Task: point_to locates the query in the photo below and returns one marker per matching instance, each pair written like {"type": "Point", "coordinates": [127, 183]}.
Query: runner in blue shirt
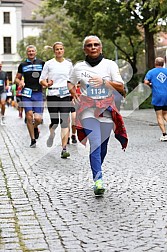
{"type": "Point", "coordinates": [27, 78]}
{"type": "Point", "coordinates": [156, 78]}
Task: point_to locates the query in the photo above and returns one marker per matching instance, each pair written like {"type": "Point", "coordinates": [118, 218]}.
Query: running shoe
{"type": "Point", "coordinates": [49, 142]}
{"type": "Point", "coordinates": [163, 138]}
{"type": "Point", "coordinates": [36, 133]}
{"type": "Point", "coordinates": [33, 143]}
{"type": "Point", "coordinates": [99, 188]}
{"type": "Point", "coordinates": [3, 120]}
{"type": "Point", "coordinates": [65, 154]}
{"type": "Point", "coordinates": [74, 140]}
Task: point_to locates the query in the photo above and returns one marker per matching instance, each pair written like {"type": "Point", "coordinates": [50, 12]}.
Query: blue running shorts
{"type": "Point", "coordinates": [33, 103]}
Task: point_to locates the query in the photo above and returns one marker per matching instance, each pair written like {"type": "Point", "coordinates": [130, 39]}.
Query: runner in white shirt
{"type": "Point", "coordinates": [54, 76]}
{"type": "Point", "coordinates": [96, 110]}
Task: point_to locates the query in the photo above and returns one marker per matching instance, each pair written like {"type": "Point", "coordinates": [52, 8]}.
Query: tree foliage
{"type": "Point", "coordinates": [126, 28]}
{"type": "Point", "coordinates": [150, 16]}
{"type": "Point", "coordinates": [56, 28]}
{"type": "Point", "coordinates": [127, 23]}
{"type": "Point", "coordinates": [101, 18]}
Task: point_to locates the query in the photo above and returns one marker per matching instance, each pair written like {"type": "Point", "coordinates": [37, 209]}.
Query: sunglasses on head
{"type": "Point", "coordinates": [91, 45]}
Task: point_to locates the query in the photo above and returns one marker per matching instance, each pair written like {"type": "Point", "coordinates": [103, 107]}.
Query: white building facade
{"type": "Point", "coordinates": [16, 23]}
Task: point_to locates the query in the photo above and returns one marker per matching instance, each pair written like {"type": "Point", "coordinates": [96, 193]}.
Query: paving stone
{"type": "Point", "coordinates": [49, 203]}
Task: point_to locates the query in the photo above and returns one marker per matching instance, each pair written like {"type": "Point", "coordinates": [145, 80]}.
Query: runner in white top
{"type": "Point", "coordinates": [58, 72]}
{"type": "Point", "coordinates": [106, 70]}
{"type": "Point", "coordinates": [54, 76]}
{"type": "Point", "coordinates": [98, 77]}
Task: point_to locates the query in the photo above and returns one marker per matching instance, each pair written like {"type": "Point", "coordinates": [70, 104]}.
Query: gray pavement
{"type": "Point", "coordinates": [47, 203]}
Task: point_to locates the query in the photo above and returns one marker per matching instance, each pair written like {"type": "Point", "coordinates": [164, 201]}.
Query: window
{"type": "Point", "coordinates": [6, 17]}
{"type": "Point", "coordinates": [7, 45]}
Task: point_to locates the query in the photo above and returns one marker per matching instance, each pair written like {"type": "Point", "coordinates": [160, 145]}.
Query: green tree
{"type": "Point", "coordinates": [101, 17]}
{"type": "Point", "coordinates": [30, 40]}
{"type": "Point", "coordinates": [128, 21]}
{"type": "Point", "coordinates": [56, 28]}
{"type": "Point", "coordinates": [150, 16]}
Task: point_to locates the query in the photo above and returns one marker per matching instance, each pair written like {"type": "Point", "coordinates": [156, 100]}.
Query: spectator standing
{"type": "Point", "coordinates": [27, 78]}
{"type": "Point", "coordinates": [156, 79]}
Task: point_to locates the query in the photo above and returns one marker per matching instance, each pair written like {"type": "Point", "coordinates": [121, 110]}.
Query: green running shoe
{"type": "Point", "coordinates": [65, 154]}
{"type": "Point", "coordinates": [99, 188]}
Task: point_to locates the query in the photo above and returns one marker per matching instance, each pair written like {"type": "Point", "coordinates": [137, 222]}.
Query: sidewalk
{"type": "Point", "coordinates": [145, 115]}
{"type": "Point", "coordinates": [47, 203]}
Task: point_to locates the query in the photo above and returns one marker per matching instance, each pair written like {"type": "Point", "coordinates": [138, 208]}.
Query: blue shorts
{"type": "Point", "coordinates": [33, 103]}
{"type": "Point", "coordinates": [3, 96]}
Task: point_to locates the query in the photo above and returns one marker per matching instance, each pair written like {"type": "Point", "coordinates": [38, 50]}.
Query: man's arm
{"type": "Point", "coordinates": [19, 80]}
{"type": "Point", "coordinates": [148, 83]}
{"type": "Point", "coordinates": [6, 82]}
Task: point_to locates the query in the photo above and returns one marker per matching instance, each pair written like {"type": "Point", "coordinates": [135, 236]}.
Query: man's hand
{"type": "Point", "coordinates": [147, 82]}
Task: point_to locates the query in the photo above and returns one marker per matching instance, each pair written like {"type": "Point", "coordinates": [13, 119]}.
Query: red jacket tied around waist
{"type": "Point", "coordinates": [100, 106]}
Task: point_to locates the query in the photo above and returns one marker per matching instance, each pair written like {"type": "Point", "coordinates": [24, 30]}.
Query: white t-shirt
{"type": "Point", "coordinates": [59, 72]}
{"type": "Point", "coordinates": [106, 69]}
{"type": "Point", "coordinates": [83, 71]}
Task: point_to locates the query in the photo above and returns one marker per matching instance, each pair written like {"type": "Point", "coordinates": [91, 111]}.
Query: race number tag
{"type": "Point", "coordinates": [63, 91]}
{"type": "Point", "coordinates": [97, 93]}
{"type": "Point", "coordinates": [27, 92]}
{"type": "Point", "coordinates": [1, 82]}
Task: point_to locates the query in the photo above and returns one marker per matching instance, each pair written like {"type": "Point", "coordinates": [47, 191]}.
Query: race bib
{"type": "Point", "coordinates": [52, 92]}
{"type": "Point", "coordinates": [27, 92]}
{"type": "Point", "coordinates": [97, 93]}
{"type": "Point", "coordinates": [63, 91]}
{"type": "Point", "coordinates": [1, 82]}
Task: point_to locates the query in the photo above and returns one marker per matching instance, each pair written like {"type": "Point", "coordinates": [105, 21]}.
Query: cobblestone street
{"type": "Point", "coordinates": [47, 203]}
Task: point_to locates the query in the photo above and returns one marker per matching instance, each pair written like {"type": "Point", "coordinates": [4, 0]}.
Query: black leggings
{"type": "Point", "coordinates": [59, 106]}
